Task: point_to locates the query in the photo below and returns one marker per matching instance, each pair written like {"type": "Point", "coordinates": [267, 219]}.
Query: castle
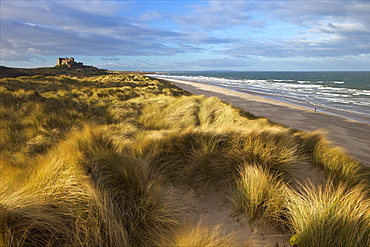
{"type": "Point", "coordinates": [70, 62]}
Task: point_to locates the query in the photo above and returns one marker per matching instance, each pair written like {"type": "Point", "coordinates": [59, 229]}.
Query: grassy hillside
{"type": "Point", "coordinates": [6, 72]}
{"type": "Point", "coordinates": [89, 161]}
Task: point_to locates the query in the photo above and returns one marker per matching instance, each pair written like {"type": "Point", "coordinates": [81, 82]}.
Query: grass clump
{"type": "Point", "coordinates": [49, 210]}
{"type": "Point", "coordinates": [124, 185]}
{"type": "Point", "coordinates": [185, 112]}
{"type": "Point", "coordinates": [329, 215]}
{"type": "Point", "coordinates": [86, 197]}
{"type": "Point", "coordinates": [272, 148]}
{"type": "Point", "coordinates": [337, 165]}
{"type": "Point", "coordinates": [201, 157]}
{"type": "Point", "coordinates": [259, 195]}
{"type": "Point", "coordinates": [201, 235]}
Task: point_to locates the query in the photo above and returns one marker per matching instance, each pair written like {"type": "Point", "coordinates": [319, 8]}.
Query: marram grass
{"type": "Point", "coordinates": [87, 162]}
{"type": "Point", "coordinates": [337, 165]}
{"type": "Point", "coordinates": [202, 235]}
{"type": "Point", "coordinates": [329, 215]}
{"type": "Point", "coordinates": [91, 196]}
{"type": "Point", "coordinates": [202, 157]}
{"type": "Point", "coordinates": [259, 195]}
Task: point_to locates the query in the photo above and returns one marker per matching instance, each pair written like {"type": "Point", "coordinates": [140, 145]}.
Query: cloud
{"type": "Point", "coordinates": [232, 30]}
{"type": "Point", "coordinates": [331, 46]}
{"type": "Point", "coordinates": [150, 16]}
{"type": "Point", "coordinates": [326, 29]}
{"type": "Point", "coordinates": [63, 14]}
{"type": "Point", "coordinates": [219, 15]}
{"type": "Point", "coordinates": [306, 12]}
{"type": "Point", "coordinates": [56, 28]}
{"type": "Point", "coordinates": [343, 18]}
{"type": "Point", "coordinates": [13, 56]}
{"type": "Point", "coordinates": [110, 59]}
{"type": "Point", "coordinates": [221, 63]}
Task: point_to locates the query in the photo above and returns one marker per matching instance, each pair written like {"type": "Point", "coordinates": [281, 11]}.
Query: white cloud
{"type": "Point", "coordinates": [218, 14]}
{"type": "Point", "coordinates": [150, 16]}
{"type": "Point", "coordinates": [82, 31]}
{"type": "Point", "coordinates": [96, 8]}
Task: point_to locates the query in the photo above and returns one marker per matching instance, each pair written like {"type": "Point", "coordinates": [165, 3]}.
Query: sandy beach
{"type": "Point", "coordinates": [352, 135]}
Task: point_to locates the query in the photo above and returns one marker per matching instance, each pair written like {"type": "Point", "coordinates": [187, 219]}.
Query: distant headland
{"type": "Point", "coordinates": [65, 66]}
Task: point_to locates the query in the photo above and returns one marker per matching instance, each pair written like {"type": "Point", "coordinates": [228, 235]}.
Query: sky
{"type": "Point", "coordinates": [188, 35]}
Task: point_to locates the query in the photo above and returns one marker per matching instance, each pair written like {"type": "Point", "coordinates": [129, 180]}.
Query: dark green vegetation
{"type": "Point", "coordinates": [88, 161]}
{"type": "Point", "coordinates": [6, 72]}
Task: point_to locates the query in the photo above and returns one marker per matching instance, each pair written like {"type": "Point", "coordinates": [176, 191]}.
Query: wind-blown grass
{"type": "Point", "coordinates": [89, 195]}
{"type": "Point", "coordinates": [136, 198]}
{"type": "Point", "coordinates": [202, 235]}
{"type": "Point", "coordinates": [81, 192]}
{"type": "Point", "coordinates": [201, 157]}
{"type": "Point", "coordinates": [330, 215]}
{"type": "Point", "coordinates": [259, 195]}
{"type": "Point", "coordinates": [87, 162]}
{"type": "Point", "coordinates": [337, 165]}
{"type": "Point", "coordinates": [45, 210]}
{"type": "Point", "coordinates": [38, 111]}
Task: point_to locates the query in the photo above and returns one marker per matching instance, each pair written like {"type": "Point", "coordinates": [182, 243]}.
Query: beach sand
{"type": "Point", "coordinates": [352, 135]}
{"type": "Point", "coordinates": [211, 209]}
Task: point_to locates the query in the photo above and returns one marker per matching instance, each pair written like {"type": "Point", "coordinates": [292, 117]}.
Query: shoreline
{"type": "Point", "coordinates": [324, 109]}
{"type": "Point", "coordinates": [345, 131]}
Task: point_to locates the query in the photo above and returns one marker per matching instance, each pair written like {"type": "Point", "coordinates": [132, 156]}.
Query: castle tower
{"type": "Point", "coordinates": [70, 62]}
{"type": "Point", "coordinates": [59, 61]}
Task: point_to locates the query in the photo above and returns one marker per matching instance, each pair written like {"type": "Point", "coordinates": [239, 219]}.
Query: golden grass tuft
{"type": "Point", "coordinates": [259, 195]}
{"type": "Point", "coordinates": [201, 157]}
{"type": "Point", "coordinates": [135, 197]}
{"type": "Point", "coordinates": [43, 212]}
{"type": "Point", "coordinates": [329, 215]}
{"type": "Point", "coordinates": [202, 235]}
{"type": "Point", "coordinates": [85, 193]}
{"type": "Point", "coordinates": [337, 165]}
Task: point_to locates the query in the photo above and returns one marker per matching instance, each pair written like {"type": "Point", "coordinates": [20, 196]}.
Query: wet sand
{"type": "Point", "coordinates": [352, 135]}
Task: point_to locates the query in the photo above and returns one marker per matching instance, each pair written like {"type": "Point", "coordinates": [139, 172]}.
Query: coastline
{"type": "Point", "coordinates": [344, 129]}
{"type": "Point", "coordinates": [324, 109]}
{"type": "Point", "coordinates": [319, 108]}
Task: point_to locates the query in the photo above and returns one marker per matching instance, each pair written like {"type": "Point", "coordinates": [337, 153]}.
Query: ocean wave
{"type": "Point", "coordinates": [310, 92]}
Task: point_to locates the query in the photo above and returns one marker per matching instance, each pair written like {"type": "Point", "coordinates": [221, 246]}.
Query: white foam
{"type": "Point", "coordinates": [314, 92]}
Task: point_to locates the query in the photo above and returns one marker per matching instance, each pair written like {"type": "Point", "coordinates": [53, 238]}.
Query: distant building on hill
{"type": "Point", "coordinates": [70, 62]}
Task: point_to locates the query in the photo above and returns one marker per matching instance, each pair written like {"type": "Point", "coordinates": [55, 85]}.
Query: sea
{"type": "Point", "coordinates": [343, 93]}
